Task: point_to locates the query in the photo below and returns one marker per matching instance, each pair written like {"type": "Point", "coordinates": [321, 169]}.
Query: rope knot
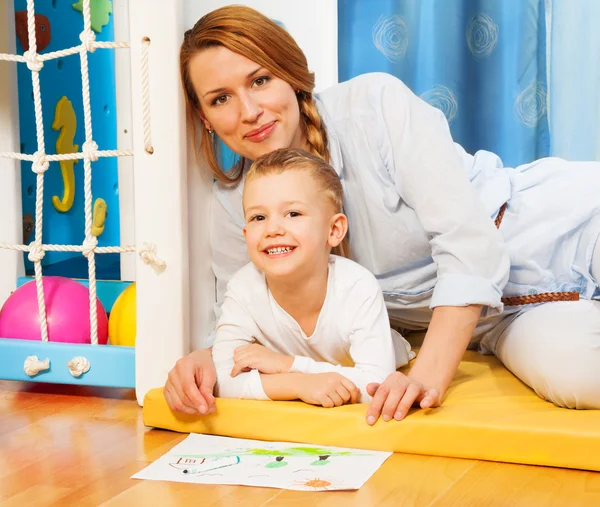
{"type": "Point", "coordinates": [34, 64]}
{"type": "Point", "coordinates": [33, 365]}
{"type": "Point", "coordinates": [148, 255]}
{"type": "Point", "coordinates": [40, 163]}
{"type": "Point", "coordinates": [78, 366]}
{"type": "Point", "coordinates": [88, 38]}
{"type": "Point", "coordinates": [89, 245]}
{"type": "Point", "coordinates": [36, 254]}
{"type": "Point", "coordinates": [89, 150]}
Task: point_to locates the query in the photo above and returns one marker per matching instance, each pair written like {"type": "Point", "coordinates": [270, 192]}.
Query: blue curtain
{"type": "Point", "coordinates": [574, 76]}
{"type": "Point", "coordinates": [482, 62]}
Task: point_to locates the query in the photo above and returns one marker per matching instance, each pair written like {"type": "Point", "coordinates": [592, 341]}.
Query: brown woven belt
{"type": "Point", "coordinates": [530, 299]}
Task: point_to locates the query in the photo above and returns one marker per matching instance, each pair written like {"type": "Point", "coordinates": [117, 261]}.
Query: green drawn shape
{"type": "Point", "coordinates": [99, 12]}
{"type": "Point", "coordinates": [278, 463]}
{"type": "Point", "coordinates": [300, 452]}
{"type": "Point", "coordinates": [323, 460]}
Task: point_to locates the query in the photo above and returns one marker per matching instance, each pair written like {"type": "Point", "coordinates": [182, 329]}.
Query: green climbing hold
{"type": "Point", "coordinates": [99, 12]}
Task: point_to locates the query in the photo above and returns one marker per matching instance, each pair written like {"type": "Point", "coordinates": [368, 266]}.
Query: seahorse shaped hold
{"type": "Point", "coordinates": [65, 121]}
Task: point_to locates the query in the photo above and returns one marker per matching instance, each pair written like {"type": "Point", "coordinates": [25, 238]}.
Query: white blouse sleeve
{"type": "Point", "coordinates": [228, 248]}
{"type": "Point", "coordinates": [418, 150]}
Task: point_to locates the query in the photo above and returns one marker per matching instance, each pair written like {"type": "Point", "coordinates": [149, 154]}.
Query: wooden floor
{"type": "Point", "coordinates": [65, 445]}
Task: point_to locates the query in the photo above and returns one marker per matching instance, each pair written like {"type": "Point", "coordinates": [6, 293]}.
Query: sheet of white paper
{"type": "Point", "coordinates": [207, 459]}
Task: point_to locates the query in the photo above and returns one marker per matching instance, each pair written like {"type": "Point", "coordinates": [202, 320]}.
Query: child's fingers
{"type": "Point", "coordinates": [344, 393]}
{"type": "Point", "coordinates": [352, 389]}
{"type": "Point", "coordinates": [237, 368]}
{"type": "Point", "coordinates": [335, 398]}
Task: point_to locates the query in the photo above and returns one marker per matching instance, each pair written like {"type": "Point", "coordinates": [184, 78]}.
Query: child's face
{"type": "Point", "coordinates": [290, 224]}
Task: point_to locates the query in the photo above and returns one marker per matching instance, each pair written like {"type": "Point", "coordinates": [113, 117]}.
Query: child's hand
{"type": "Point", "coordinates": [394, 397]}
{"type": "Point", "coordinates": [257, 357]}
{"type": "Point", "coordinates": [327, 389]}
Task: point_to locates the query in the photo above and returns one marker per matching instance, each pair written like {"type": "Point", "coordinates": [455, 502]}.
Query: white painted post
{"type": "Point", "coordinates": [160, 181]}
{"type": "Point", "coordinates": [11, 211]}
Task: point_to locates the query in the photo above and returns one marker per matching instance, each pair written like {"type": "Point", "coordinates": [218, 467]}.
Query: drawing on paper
{"type": "Point", "coordinates": [221, 460]}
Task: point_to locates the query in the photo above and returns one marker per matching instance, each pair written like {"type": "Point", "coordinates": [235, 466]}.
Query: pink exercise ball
{"type": "Point", "coordinates": [67, 313]}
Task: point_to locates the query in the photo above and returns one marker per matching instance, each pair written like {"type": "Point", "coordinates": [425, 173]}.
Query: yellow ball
{"type": "Point", "coordinates": [121, 322]}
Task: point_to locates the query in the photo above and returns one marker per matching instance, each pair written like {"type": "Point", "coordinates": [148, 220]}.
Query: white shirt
{"type": "Point", "coordinates": [418, 205]}
{"type": "Point", "coordinates": [352, 336]}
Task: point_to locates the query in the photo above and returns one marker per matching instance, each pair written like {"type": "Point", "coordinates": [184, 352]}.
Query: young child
{"type": "Point", "coordinates": [298, 322]}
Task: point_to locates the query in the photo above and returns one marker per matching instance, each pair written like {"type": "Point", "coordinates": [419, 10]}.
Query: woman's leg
{"type": "Point", "coordinates": [555, 349]}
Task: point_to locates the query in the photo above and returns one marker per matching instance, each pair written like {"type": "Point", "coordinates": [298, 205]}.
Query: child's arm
{"type": "Point", "coordinates": [328, 389]}
{"type": "Point", "coordinates": [235, 329]}
{"type": "Point", "coordinates": [369, 340]}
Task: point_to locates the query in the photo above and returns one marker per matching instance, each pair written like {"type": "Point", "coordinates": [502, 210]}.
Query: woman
{"type": "Point", "coordinates": [462, 246]}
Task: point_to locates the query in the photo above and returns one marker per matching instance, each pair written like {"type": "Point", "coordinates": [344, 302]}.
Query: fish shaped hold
{"type": "Point", "coordinates": [42, 30]}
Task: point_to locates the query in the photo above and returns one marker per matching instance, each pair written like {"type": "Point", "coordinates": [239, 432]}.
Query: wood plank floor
{"type": "Point", "coordinates": [68, 445]}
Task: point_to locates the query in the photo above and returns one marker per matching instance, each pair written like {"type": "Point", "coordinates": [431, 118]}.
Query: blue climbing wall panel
{"type": "Point", "coordinates": [59, 25]}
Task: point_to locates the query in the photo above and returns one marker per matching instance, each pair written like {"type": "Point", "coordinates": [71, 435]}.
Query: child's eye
{"type": "Point", "coordinates": [261, 81]}
{"type": "Point", "coordinates": [221, 99]}
{"type": "Point", "coordinates": [257, 218]}
{"type": "Point", "coordinates": [294, 214]}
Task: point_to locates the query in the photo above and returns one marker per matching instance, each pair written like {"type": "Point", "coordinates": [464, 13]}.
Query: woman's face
{"type": "Point", "coordinates": [251, 110]}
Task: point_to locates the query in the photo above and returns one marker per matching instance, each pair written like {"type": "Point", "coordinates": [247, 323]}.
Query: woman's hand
{"type": "Point", "coordinates": [258, 357]}
{"type": "Point", "coordinates": [190, 384]}
{"type": "Point", "coordinates": [394, 397]}
{"type": "Point", "coordinates": [327, 389]}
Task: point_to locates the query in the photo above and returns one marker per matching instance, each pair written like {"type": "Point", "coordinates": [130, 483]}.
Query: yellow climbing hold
{"type": "Point", "coordinates": [65, 121]}
{"type": "Point", "coordinates": [98, 217]}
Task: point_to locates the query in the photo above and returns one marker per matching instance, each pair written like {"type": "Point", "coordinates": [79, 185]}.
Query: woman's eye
{"type": "Point", "coordinates": [220, 100]}
{"type": "Point", "coordinates": [261, 81]}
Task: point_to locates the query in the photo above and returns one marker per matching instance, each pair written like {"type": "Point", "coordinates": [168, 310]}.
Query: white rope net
{"type": "Point", "coordinates": [90, 153]}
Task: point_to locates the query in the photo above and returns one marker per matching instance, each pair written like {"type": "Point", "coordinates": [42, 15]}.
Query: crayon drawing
{"type": "Point", "coordinates": [207, 459]}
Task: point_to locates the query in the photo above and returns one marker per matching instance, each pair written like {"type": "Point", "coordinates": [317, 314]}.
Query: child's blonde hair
{"type": "Point", "coordinates": [286, 159]}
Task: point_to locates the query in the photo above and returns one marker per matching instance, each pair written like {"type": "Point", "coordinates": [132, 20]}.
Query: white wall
{"type": "Point", "coordinates": [11, 228]}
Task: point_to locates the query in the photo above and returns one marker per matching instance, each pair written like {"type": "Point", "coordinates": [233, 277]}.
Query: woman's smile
{"type": "Point", "coordinates": [260, 134]}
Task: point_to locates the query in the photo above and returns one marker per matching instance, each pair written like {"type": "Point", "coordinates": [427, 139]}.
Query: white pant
{"type": "Point", "coordinates": [555, 348]}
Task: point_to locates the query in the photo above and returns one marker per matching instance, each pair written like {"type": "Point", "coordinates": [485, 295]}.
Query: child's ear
{"type": "Point", "coordinates": [337, 229]}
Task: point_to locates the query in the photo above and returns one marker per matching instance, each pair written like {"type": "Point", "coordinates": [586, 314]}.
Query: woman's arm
{"type": "Point", "coordinates": [417, 149]}
{"type": "Point", "coordinates": [446, 340]}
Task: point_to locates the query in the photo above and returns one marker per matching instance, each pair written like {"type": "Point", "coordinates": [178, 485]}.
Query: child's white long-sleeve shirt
{"type": "Point", "coordinates": [352, 336]}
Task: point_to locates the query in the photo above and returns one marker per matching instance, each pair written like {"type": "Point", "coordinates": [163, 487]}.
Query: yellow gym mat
{"type": "Point", "coordinates": [488, 414]}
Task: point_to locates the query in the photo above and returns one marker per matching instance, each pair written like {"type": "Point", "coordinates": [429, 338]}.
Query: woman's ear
{"type": "Point", "coordinates": [202, 118]}
{"type": "Point", "coordinates": [338, 229]}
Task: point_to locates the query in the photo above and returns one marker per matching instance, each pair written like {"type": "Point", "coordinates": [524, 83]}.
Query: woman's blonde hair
{"type": "Point", "coordinates": [295, 159]}
{"type": "Point", "coordinates": [247, 32]}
